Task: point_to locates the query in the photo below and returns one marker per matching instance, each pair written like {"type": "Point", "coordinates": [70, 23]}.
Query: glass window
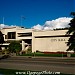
{"type": "Point", "coordinates": [11, 35]}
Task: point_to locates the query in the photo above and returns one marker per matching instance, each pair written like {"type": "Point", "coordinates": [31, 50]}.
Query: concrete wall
{"type": "Point", "coordinates": [6, 30]}
{"type": "Point", "coordinates": [17, 30]}
{"type": "Point", "coordinates": [49, 32]}
{"type": "Point", "coordinates": [50, 41]}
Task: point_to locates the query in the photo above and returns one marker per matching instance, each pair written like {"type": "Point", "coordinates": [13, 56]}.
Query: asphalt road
{"type": "Point", "coordinates": [62, 65]}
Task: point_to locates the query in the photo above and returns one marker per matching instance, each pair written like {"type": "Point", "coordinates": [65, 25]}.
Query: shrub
{"type": "Point", "coordinates": [14, 46]}
{"type": "Point", "coordinates": [29, 50]}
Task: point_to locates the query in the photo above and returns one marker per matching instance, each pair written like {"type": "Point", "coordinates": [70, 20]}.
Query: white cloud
{"type": "Point", "coordinates": [6, 26]}
{"type": "Point", "coordinates": [37, 27]}
{"type": "Point", "coordinates": [3, 26]}
{"type": "Point", "coordinates": [57, 23]}
{"type": "Point", "coordinates": [49, 25]}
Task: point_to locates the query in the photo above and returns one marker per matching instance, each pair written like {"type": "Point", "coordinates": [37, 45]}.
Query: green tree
{"type": "Point", "coordinates": [71, 32]}
{"type": "Point", "coordinates": [1, 39]}
{"type": "Point", "coordinates": [14, 46]}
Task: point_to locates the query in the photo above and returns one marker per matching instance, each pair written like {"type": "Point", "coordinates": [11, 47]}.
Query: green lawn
{"type": "Point", "coordinates": [47, 55]}
{"type": "Point", "coordinates": [11, 72]}
{"type": "Point", "coordinates": [23, 72]}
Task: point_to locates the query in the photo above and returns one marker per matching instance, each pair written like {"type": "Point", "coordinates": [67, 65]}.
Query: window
{"type": "Point", "coordinates": [11, 35]}
{"type": "Point", "coordinates": [25, 34]}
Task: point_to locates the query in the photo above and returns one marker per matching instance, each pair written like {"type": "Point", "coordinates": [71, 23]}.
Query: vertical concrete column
{"type": "Point", "coordinates": [23, 45]}
{"type": "Point", "coordinates": [33, 42]}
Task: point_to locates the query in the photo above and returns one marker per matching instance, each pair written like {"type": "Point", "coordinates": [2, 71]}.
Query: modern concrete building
{"type": "Point", "coordinates": [40, 40]}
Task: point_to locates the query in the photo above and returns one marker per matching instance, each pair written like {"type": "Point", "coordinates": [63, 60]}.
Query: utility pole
{"type": "Point", "coordinates": [21, 21]}
{"type": "Point", "coordinates": [22, 17]}
{"type": "Point", "coordinates": [3, 20]}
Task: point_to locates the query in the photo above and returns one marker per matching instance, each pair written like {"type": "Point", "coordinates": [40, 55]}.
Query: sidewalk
{"type": "Point", "coordinates": [45, 57]}
{"type": "Point", "coordinates": [1, 56]}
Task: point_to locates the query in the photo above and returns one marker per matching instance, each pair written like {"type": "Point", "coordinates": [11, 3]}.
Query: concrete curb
{"type": "Point", "coordinates": [44, 57]}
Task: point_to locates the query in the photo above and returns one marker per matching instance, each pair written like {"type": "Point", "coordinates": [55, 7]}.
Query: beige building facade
{"type": "Point", "coordinates": [50, 41]}
{"type": "Point", "coordinates": [39, 40]}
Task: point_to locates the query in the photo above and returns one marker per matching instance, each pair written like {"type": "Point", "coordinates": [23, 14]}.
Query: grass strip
{"type": "Point", "coordinates": [24, 72]}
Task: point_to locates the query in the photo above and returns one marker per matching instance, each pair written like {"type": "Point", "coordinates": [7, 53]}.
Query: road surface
{"type": "Point", "coordinates": [62, 65]}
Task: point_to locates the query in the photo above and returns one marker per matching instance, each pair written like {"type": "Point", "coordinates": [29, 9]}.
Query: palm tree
{"type": "Point", "coordinates": [71, 32]}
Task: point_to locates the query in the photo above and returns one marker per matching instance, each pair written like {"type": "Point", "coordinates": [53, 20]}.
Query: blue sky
{"type": "Point", "coordinates": [34, 11]}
